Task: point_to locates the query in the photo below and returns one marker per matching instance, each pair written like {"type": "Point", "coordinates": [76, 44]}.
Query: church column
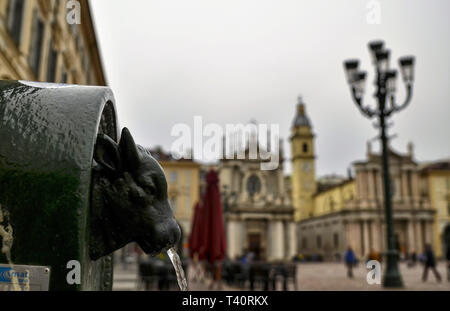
{"type": "Point", "coordinates": [428, 232]}
{"type": "Point", "coordinates": [234, 238]}
{"type": "Point", "coordinates": [356, 237]}
{"type": "Point", "coordinates": [383, 242]}
{"type": "Point", "coordinates": [292, 240]}
{"type": "Point", "coordinates": [411, 245]}
{"type": "Point", "coordinates": [358, 184]}
{"type": "Point", "coordinates": [278, 240]}
{"type": "Point", "coordinates": [415, 186]}
{"type": "Point", "coordinates": [376, 235]}
{"type": "Point", "coordinates": [364, 184]}
{"type": "Point", "coordinates": [231, 239]}
{"type": "Point", "coordinates": [366, 248]}
{"type": "Point", "coordinates": [358, 241]}
{"type": "Point", "coordinates": [419, 240]}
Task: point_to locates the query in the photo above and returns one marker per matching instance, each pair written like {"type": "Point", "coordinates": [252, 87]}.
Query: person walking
{"type": "Point", "coordinates": [448, 262]}
{"type": "Point", "coordinates": [430, 263]}
{"type": "Point", "coordinates": [350, 260]}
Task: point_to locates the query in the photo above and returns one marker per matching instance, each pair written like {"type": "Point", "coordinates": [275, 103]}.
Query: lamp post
{"type": "Point", "coordinates": [385, 82]}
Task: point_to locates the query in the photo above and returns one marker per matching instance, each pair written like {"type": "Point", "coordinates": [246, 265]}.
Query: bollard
{"type": "Point", "coordinates": [59, 206]}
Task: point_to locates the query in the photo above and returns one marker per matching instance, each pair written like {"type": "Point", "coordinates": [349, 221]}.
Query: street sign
{"type": "Point", "coordinates": [21, 277]}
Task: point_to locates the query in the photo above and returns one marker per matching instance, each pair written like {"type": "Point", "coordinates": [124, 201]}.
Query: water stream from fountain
{"type": "Point", "coordinates": [176, 262]}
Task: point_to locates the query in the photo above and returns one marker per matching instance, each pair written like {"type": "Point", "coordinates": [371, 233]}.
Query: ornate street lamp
{"type": "Point", "coordinates": [385, 82]}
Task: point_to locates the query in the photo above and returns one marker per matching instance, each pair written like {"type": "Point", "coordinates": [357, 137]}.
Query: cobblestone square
{"type": "Point", "coordinates": [333, 276]}
{"type": "Point", "coordinates": [317, 277]}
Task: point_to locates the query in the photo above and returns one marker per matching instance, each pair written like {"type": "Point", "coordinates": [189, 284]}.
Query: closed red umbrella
{"type": "Point", "coordinates": [214, 244]}
{"type": "Point", "coordinates": [197, 229]}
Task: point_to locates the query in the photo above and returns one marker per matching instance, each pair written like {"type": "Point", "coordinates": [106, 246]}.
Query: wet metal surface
{"type": "Point", "coordinates": [47, 138]}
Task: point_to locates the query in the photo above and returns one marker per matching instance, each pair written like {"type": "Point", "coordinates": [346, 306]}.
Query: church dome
{"type": "Point", "coordinates": [301, 119]}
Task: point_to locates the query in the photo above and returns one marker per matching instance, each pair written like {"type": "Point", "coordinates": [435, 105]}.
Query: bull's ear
{"type": "Point", "coordinates": [128, 150]}
{"type": "Point", "coordinates": [106, 153]}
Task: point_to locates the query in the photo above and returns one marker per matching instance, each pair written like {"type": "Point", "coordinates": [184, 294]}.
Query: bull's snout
{"type": "Point", "coordinates": [163, 236]}
{"type": "Point", "coordinates": [174, 233]}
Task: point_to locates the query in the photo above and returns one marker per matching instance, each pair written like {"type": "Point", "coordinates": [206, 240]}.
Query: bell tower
{"type": "Point", "coordinates": [303, 164]}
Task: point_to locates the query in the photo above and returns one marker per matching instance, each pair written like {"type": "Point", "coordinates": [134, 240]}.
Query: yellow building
{"type": "Point", "coordinates": [334, 213]}
{"type": "Point", "coordinates": [333, 198]}
{"type": "Point", "coordinates": [37, 43]}
{"type": "Point", "coordinates": [351, 212]}
{"type": "Point", "coordinates": [303, 180]}
{"type": "Point", "coordinates": [435, 184]}
{"type": "Point", "coordinates": [183, 181]}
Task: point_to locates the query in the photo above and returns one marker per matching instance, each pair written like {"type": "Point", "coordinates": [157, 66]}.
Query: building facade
{"type": "Point", "coordinates": [435, 184]}
{"type": "Point", "coordinates": [334, 213]}
{"type": "Point", "coordinates": [38, 44]}
{"type": "Point", "coordinates": [259, 216]}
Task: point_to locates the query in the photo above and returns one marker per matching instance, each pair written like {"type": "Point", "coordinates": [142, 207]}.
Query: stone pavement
{"type": "Point", "coordinates": [125, 278]}
{"type": "Point", "coordinates": [333, 276]}
{"type": "Point", "coordinates": [314, 276]}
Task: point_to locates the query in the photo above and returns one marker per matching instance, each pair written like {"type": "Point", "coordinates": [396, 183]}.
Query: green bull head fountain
{"type": "Point", "coordinates": [73, 188]}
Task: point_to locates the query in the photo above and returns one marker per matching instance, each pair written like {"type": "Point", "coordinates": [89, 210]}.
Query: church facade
{"type": "Point", "coordinates": [259, 216]}
{"type": "Point", "coordinates": [333, 214]}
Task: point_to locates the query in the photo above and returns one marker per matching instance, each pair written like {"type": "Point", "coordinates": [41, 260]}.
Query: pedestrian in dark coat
{"type": "Point", "coordinates": [350, 261]}
{"type": "Point", "coordinates": [430, 263]}
{"type": "Point", "coordinates": [448, 262]}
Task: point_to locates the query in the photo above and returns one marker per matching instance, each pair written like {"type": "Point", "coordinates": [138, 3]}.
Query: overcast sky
{"type": "Point", "coordinates": [236, 60]}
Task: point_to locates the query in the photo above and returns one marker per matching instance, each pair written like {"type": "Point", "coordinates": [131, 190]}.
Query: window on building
{"type": "Point", "coordinates": [253, 185]}
{"type": "Point", "coordinates": [305, 147]}
{"type": "Point", "coordinates": [15, 16]}
{"type": "Point", "coordinates": [304, 243]}
{"type": "Point", "coordinates": [332, 204]}
{"type": "Point", "coordinates": [336, 240]}
{"type": "Point", "coordinates": [173, 177]}
{"type": "Point", "coordinates": [187, 180]}
{"type": "Point", "coordinates": [37, 36]}
{"type": "Point", "coordinates": [51, 63]}
{"type": "Point", "coordinates": [319, 241]}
